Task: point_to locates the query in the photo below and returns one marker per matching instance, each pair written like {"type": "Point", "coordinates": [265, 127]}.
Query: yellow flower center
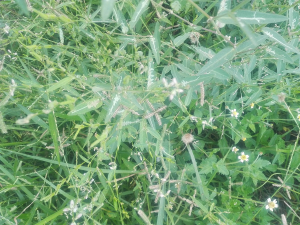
{"type": "Point", "coordinates": [271, 205]}
{"type": "Point", "coordinates": [234, 113]}
{"type": "Point", "coordinates": [243, 157]}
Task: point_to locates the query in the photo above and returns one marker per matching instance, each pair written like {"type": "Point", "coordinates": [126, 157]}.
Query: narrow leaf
{"type": "Point", "coordinates": [54, 134]}
{"type": "Point", "coordinates": [140, 9]}
{"type": "Point", "coordinates": [180, 39]}
{"type": "Point", "coordinates": [155, 44]}
{"type": "Point", "coordinates": [151, 75]}
{"type": "Point", "coordinates": [219, 59]}
{"type": "Point", "coordinates": [251, 17]}
{"type": "Point", "coordinates": [254, 97]}
{"type": "Point", "coordinates": [85, 107]}
{"type": "Point", "coordinates": [112, 107]}
{"type": "Point", "coordinates": [273, 35]}
{"type": "Point", "coordinates": [154, 133]}
{"type": "Point", "coordinates": [60, 84]}
{"type": "Point", "coordinates": [106, 8]}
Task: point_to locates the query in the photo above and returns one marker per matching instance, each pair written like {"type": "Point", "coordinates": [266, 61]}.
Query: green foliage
{"type": "Point", "coordinates": [149, 112]}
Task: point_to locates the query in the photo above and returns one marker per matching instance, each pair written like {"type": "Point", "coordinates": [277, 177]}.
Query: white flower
{"type": "Point", "coordinates": [234, 113]}
{"type": "Point", "coordinates": [6, 29]}
{"type": "Point", "coordinates": [252, 105]}
{"type": "Point", "coordinates": [243, 157]}
{"type": "Point", "coordinates": [272, 204]}
{"type": "Point", "coordinates": [235, 149]}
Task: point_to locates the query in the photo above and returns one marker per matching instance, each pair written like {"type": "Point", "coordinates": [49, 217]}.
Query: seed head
{"type": "Point", "coordinates": [187, 138]}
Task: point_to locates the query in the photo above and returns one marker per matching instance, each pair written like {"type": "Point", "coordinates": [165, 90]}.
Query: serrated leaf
{"type": "Point", "coordinates": [219, 59]}
{"type": "Point", "coordinates": [273, 35]}
{"type": "Point", "coordinates": [221, 168]}
{"type": "Point", "coordinates": [261, 163]}
{"type": "Point", "coordinates": [180, 39]}
{"type": "Point", "coordinates": [251, 17]}
{"type": "Point", "coordinates": [207, 165]}
{"type": "Point", "coordinates": [155, 44]}
{"type": "Point", "coordinates": [252, 127]}
{"type": "Point", "coordinates": [140, 9]}
{"type": "Point", "coordinates": [85, 107]}
{"type": "Point", "coordinates": [107, 8]}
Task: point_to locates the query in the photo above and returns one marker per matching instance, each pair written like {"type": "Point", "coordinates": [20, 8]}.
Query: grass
{"type": "Point", "coordinates": [97, 100]}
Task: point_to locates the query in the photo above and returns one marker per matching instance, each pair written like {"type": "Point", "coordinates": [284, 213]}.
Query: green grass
{"type": "Point", "coordinates": [96, 99]}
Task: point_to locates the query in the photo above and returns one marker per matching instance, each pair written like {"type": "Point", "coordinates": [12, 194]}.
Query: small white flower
{"type": "Point", "coordinates": [272, 204]}
{"type": "Point", "coordinates": [235, 149]}
{"type": "Point", "coordinates": [252, 105]}
{"type": "Point", "coordinates": [6, 29]}
{"type": "Point", "coordinates": [234, 113]}
{"type": "Point", "coordinates": [243, 157]}
{"type": "Point", "coordinates": [113, 166]}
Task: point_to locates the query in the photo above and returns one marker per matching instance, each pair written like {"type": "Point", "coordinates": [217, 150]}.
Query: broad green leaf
{"type": "Point", "coordinates": [188, 97]}
{"type": "Point", "coordinates": [155, 44]}
{"type": "Point", "coordinates": [251, 17]}
{"type": "Point", "coordinates": [220, 74]}
{"type": "Point", "coordinates": [180, 39]}
{"type": "Point", "coordinates": [86, 106]}
{"type": "Point", "coordinates": [140, 9]}
{"type": "Point", "coordinates": [106, 8]}
{"type": "Point", "coordinates": [273, 35]}
{"type": "Point", "coordinates": [60, 84]}
{"type": "Point", "coordinates": [247, 45]}
{"type": "Point", "coordinates": [219, 59]}
{"type": "Point", "coordinates": [54, 134]}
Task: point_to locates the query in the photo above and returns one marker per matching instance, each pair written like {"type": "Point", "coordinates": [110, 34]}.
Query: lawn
{"type": "Point", "coordinates": [173, 112]}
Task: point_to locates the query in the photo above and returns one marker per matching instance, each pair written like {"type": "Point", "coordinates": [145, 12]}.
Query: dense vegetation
{"type": "Point", "coordinates": [149, 112]}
